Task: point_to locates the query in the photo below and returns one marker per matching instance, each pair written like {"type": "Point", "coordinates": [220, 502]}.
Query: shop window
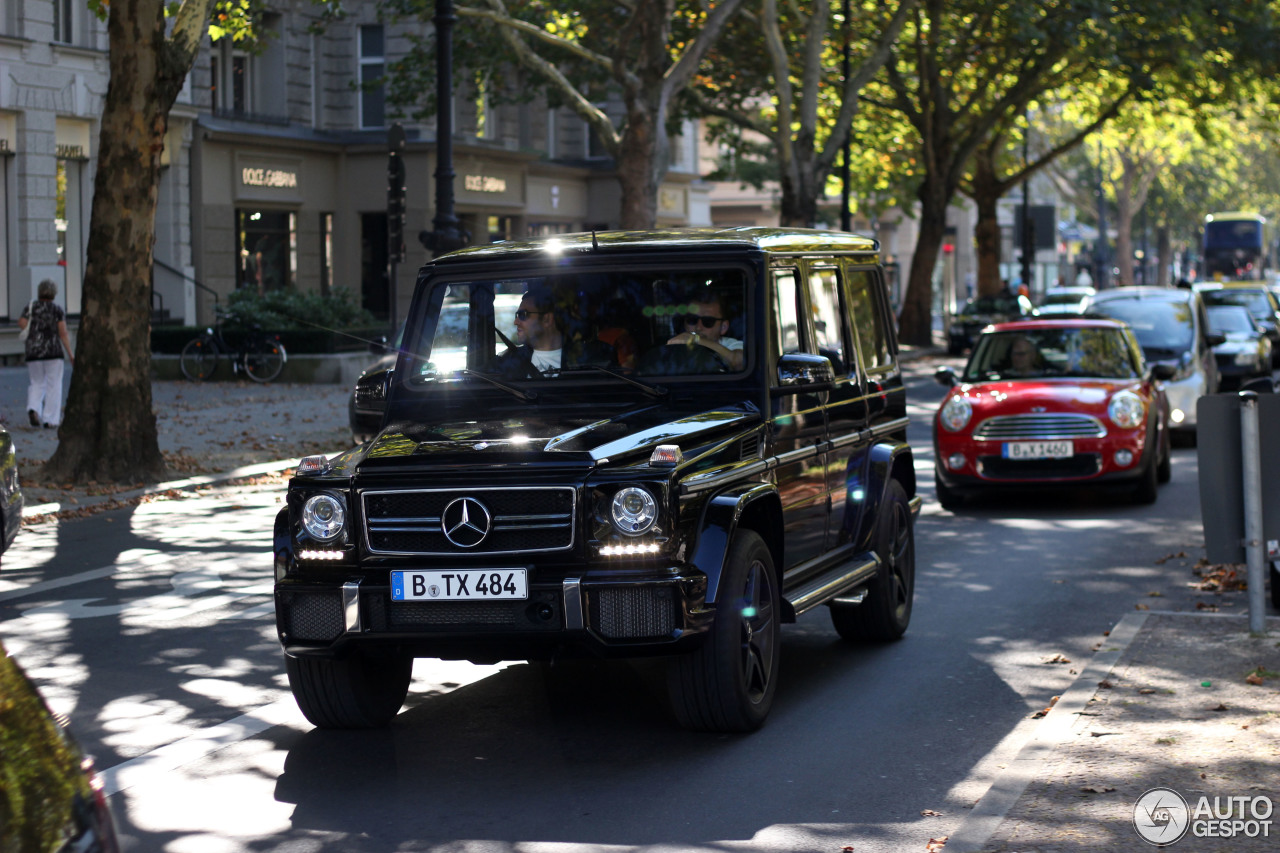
{"type": "Point", "coordinates": [372, 95]}
{"type": "Point", "coordinates": [267, 248]}
{"type": "Point", "coordinates": [500, 228]}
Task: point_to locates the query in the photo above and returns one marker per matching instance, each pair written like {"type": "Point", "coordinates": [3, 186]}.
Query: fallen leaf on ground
{"type": "Point", "coordinates": [1097, 789]}
{"type": "Point", "coordinates": [1221, 706]}
{"type": "Point", "coordinates": [1057, 659]}
{"type": "Point", "coordinates": [1141, 607]}
{"type": "Point", "coordinates": [1254, 679]}
{"type": "Point", "coordinates": [930, 813]}
{"type": "Point", "coordinates": [1105, 685]}
{"type": "Point", "coordinates": [935, 845]}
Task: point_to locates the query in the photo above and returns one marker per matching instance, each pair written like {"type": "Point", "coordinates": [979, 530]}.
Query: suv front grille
{"type": "Point", "coordinates": [469, 521]}
{"type": "Point", "coordinates": [1045, 426]}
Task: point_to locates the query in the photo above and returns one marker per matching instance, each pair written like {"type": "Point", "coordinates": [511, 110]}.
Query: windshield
{"type": "Point", "coordinates": [1063, 298]}
{"type": "Point", "coordinates": [637, 324]}
{"type": "Point", "coordinates": [999, 304]}
{"type": "Point", "coordinates": [1053, 353]}
{"type": "Point", "coordinates": [1256, 301]}
{"type": "Point", "coordinates": [1226, 319]}
{"type": "Point", "coordinates": [1159, 324]}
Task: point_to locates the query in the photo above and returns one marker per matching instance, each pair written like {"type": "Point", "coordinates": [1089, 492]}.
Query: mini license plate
{"type": "Point", "coordinates": [459, 585]}
{"type": "Point", "coordinates": [1038, 449]}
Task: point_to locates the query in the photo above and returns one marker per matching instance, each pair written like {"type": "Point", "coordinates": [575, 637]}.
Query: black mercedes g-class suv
{"type": "Point", "coordinates": [679, 441]}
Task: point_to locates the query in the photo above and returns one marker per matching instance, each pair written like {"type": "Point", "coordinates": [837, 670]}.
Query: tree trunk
{"type": "Point", "coordinates": [915, 320]}
{"type": "Point", "coordinates": [1124, 237]}
{"type": "Point", "coordinates": [109, 433]}
{"type": "Point", "coordinates": [987, 191]}
{"type": "Point", "coordinates": [799, 192]}
{"type": "Point", "coordinates": [637, 176]}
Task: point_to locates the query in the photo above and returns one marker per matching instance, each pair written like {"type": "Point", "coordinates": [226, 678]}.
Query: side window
{"type": "Point", "coordinates": [868, 319]}
{"type": "Point", "coordinates": [828, 331]}
{"type": "Point", "coordinates": [786, 316]}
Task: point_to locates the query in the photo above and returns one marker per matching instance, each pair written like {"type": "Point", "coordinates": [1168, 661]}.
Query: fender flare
{"type": "Point", "coordinates": [756, 506]}
{"type": "Point", "coordinates": [890, 460]}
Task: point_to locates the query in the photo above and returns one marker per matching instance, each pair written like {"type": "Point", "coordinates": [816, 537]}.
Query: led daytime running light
{"type": "Point", "coordinates": [629, 549]}
{"type": "Point", "coordinates": [311, 554]}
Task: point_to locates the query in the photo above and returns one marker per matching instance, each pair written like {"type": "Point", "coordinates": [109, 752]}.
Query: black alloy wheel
{"type": "Point", "coordinates": [886, 611]}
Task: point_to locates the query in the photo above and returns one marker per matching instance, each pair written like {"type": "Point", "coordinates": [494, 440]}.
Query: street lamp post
{"type": "Point", "coordinates": [446, 234]}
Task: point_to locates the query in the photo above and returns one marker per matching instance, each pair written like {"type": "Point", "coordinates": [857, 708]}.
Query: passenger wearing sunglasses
{"type": "Point", "coordinates": [705, 325]}
{"type": "Point", "coordinates": [540, 339]}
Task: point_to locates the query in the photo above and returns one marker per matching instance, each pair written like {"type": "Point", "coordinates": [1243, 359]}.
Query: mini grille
{"type": "Point", "coordinates": [1045, 426]}
{"type": "Point", "coordinates": [633, 612]}
{"type": "Point", "coordinates": [314, 616]}
{"type": "Point", "coordinates": [521, 520]}
{"type": "Point", "coordinates": [1073, 467]}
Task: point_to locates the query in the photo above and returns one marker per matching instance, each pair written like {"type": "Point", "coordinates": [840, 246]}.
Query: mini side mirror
{"type": "Point", "coordinates": [946, 376]}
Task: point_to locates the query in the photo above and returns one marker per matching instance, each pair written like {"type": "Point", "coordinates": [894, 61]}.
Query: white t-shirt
{"type": "Point", "coordinates": [546, 359]}
{"type": "Point", "coordinates": [730, 343]}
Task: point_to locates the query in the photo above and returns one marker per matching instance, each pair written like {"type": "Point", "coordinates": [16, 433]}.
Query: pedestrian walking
{"type": "Point", "coordinates": [44, 345]}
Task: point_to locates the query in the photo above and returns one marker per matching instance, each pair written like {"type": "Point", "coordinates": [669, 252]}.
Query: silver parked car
{"type": "Point", "coordinates": [1172, 327]}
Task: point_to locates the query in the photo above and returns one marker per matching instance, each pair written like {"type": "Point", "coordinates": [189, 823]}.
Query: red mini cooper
{"type": "Point", "coordinates": [1060, 402]}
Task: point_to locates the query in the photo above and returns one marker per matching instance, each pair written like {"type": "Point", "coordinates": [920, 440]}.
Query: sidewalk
{"type": "Point", "coordinates": [208, 431]}
{"type": "Point", "coordinates": [1167, 702]}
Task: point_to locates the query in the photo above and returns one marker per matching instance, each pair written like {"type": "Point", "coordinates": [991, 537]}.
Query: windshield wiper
{"type": "Point", "coordinates": [518, 393]}
{"type": "Point", "coordinates": [650, 390]}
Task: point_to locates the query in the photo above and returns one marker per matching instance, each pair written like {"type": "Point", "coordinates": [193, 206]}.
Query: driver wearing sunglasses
{"type": "Point", "coordinates": [705, 325]}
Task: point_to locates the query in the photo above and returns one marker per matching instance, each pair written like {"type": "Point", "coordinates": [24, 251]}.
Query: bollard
{"type": "Point", "coordinates": [1254, 550]}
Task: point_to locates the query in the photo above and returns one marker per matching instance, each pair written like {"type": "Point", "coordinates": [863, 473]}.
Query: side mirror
{"type": "Point", "coordinates": [1213, 339]}
{"type": "Point", "coordinates": [946, 376]}
{"type": "Point", "coordinates": [1260, 385]}
{"type": "Point", "coordinates": [1163, 371]}
{"type": "Point", "coordinates": [804, 372]}
{"type": "Point", "coordinates": [370, 397]}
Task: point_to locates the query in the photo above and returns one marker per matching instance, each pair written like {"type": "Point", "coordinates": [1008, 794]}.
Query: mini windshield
{"type": "Point", "coordinates": [1053, 353]}
{"type": "Point", "coordinates": [685, 323]}
{"type": "Point", "coordinates": [1162, 327]}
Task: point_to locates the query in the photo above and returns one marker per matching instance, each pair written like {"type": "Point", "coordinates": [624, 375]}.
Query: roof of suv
{"type": "Point", "coordinates": [783, 240]}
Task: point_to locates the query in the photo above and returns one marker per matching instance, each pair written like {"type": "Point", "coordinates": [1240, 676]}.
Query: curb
{"type": "Point", "coordinates": [186, 483]}
{"type": "Point", "coordinates": [986, 816]}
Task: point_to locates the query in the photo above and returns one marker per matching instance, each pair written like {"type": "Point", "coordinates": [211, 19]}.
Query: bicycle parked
{"type": "Point", "coordinates": [259, 355]}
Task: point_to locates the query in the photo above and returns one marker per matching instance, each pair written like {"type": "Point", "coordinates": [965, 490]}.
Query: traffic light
{"type": "Point", "coordinates": [395, 193]}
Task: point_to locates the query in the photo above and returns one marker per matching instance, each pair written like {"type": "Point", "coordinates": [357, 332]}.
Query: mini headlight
{"type": "Point", "coordinates": [955, 414]}
{"type": "Point", "coordinates": [1126, 410]}
{"type": "Point", "coordinates": [323, 517]}
{"type": "Point", "coordinates": [634, 510]}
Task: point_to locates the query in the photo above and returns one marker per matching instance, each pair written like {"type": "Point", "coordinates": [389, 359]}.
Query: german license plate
{"type": "Point", "coordinates": [459, 585]}
{"type": "Point", "coordinates": [1038, 449]}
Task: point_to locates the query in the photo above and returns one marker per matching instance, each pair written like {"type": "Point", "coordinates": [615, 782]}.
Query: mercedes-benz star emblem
{"type": "Point", "coordinates": [465, 522]}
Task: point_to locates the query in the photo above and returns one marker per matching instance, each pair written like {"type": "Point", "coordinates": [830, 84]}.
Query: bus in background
{"type": "Point", "coordinates": [1236, 246]}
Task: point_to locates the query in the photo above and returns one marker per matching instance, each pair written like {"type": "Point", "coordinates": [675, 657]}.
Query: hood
{"type": "Point", "coordinates": [550, 437]}
{"type": "Point", "coordinates": [1078, 395]}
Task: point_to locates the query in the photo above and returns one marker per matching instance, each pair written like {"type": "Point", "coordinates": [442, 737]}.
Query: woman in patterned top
{"type": "Point", "coordinates": [45, 343]}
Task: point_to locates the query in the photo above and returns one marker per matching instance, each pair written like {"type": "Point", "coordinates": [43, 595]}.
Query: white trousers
{"type": "Point", "coordinates": [44, 395]}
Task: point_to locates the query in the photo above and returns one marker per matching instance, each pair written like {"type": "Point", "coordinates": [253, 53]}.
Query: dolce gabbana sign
{"type": "Point", "coordinates": [484, 184]}
{"type": "Point", "coordinates": [268, 178]}
{"type": "Point", "coordinates": [259, 177]}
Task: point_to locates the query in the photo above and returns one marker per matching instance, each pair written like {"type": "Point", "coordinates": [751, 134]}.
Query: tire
{"type": "Point", "coordinates": [1148, 488]}
{"type": "Point", "coordinates": [947, 497]}
{"type": "Point", "coordinates": [263, 360]}
{"type": "Point", "coordinates": [1275, 586]}
{"type": "Point", "coordinates": [359, 691]}
{"type": "Point", "coordinates": [199, 359]}
{"type": "Point", "coordinates": [886, 611]}
{"type": "Point", "coordinates": [727, 684]}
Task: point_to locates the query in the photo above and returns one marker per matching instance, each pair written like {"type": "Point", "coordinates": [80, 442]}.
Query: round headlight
{"type": "Point", "coordinates": [955, 414]}
{"type": "Point", "coordinates": [323, 517]}
{"type": "Point", "coordinates": [634, 510]}
{"type": "Point", "coordinates": [1126, 410]}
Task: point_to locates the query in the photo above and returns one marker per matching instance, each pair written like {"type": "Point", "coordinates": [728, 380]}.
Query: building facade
{"type": "Point", "coordinates": [275, 164]}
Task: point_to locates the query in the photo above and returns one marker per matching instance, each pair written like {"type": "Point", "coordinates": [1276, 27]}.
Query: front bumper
{"type": "Point", "coordinates": [1094, 461]}
{"type": "Point", "coordinates": [660, 612]}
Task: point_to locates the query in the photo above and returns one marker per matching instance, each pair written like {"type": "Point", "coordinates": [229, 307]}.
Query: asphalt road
{"type": "Point", "coordinates": [152, 629]}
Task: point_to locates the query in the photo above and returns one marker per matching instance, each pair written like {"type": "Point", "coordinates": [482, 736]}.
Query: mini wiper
{"type": "Point", "coordinates": [518, 393]}
{"type": "Point", "coordinates": [650, 390]}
